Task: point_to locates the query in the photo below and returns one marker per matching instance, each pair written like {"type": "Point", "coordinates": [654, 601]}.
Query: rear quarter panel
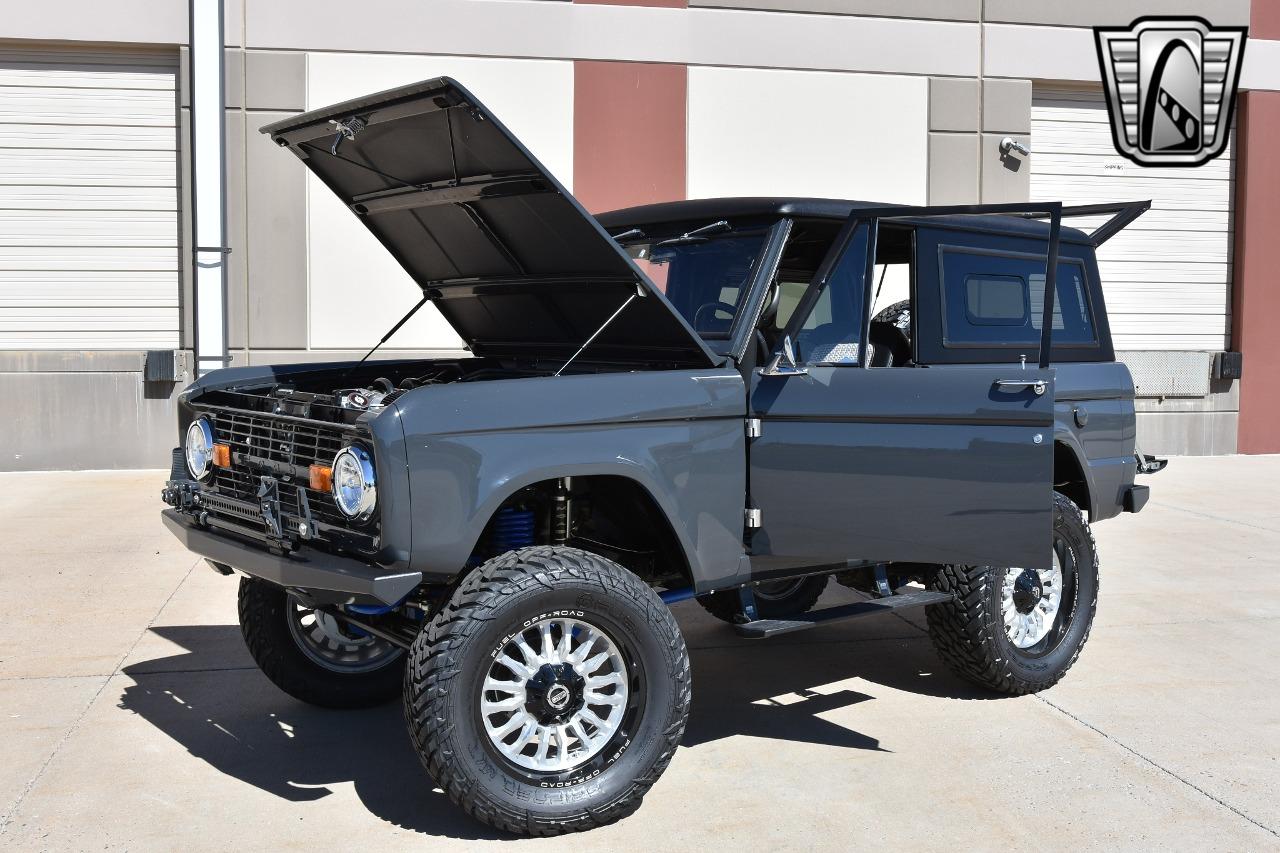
{"type": "Point", "coordinates": [1105, 444]}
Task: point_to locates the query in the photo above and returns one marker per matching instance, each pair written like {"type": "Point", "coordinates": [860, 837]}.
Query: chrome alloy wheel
{"type": "Point", "coordinates": [335, 646]}
{"type": "Point", "coordinates": [555, 695]}
{"type": "Point", "coordinates": [1030, 601]}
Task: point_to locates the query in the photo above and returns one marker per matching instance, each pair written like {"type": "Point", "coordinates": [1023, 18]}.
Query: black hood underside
{"type": "Point", "coordinates": [507, 255]}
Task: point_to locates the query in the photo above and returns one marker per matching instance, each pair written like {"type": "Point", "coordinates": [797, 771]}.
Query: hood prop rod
{"type": "Point", "coordinates": [414, 310]}
{"type": "Point", "coordinates": [638, 292]}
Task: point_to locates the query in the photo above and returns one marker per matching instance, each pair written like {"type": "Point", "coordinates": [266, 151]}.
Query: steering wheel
{"type": "Point", "coordinates": [713, 307]}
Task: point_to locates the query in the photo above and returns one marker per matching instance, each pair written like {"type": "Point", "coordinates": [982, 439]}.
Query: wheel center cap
{"type": "Point", "coordinates": [554, 693]}
{"type": "Point", "coordinates": [1027, 591]}
{"type": "Point", "coordinates": [558, 697]}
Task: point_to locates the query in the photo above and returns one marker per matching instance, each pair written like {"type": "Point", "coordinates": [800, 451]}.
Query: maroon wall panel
{"type": "Point", "coordinates": [1256, 285]}
{"type": "Point", "coordinates": [1264, 20]}
{"type": "Point", "coordinates": [628, 133]}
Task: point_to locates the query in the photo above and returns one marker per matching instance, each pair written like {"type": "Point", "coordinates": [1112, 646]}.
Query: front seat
{"type": "Point", "coordinates": [889, 345]}
{"type": "Point", "coordinates": [825, 344]}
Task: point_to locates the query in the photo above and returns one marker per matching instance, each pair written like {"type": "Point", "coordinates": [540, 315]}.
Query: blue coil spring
{"type": "Point", "coordinates": [512, 528]}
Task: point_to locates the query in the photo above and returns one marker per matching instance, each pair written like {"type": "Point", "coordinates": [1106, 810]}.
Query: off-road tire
{"type": "Point", "coordinates": [263, 622]}
{"type": "Point", "coordinates": [968, 632]}
{"type": "Point", "coordinates": [451, 656]}
{"type": "Point", "coordinates": [727, 605]}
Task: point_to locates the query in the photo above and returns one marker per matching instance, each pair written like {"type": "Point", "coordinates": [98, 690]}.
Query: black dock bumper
{"type": "Point", "coordinates": [305, 568]}
{"type": "Point", "coordinates": [1135, 498]}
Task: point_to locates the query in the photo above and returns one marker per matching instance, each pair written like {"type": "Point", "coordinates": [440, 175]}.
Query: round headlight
{"type": "Point", "coordinates": [199, 447]}
{"type": "Point", "coordinates": [354, 490]}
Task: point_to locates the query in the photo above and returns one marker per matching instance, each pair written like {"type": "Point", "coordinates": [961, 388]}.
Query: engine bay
{"type": "Point", "coordinates": [345, 394]}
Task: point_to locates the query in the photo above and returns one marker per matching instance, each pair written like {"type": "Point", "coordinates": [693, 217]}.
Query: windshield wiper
{"type": "Point", "coordinates": [697, 235]}
{"type": "Point", "coordinates": [629, 234]}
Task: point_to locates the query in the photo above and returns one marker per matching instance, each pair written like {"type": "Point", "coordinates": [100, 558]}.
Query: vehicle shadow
{"type": "Point", "coordinates": [215, 703]}
{"type": "Point", "coordinates": [234, 719]}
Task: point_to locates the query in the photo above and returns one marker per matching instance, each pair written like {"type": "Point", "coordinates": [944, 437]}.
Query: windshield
{"type": "Point", "coordinates": [704, 277]}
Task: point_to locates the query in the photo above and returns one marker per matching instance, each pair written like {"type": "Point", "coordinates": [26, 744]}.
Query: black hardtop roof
{"type": "Point", "coordinates": [814, 208]}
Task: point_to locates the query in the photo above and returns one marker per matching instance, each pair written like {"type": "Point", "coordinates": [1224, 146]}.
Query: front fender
{"type": "Point", "coordinates": [678, 434]}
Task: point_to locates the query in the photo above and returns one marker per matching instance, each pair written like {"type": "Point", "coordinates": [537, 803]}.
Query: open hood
{"type": "Point", "coordinates": [507, 255]}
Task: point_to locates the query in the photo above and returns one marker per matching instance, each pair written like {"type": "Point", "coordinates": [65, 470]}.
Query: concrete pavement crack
{"type": "Point", "coordinates": [1213, 517]}
{"type": "Point", "coordinates": [135, 674]}
{"type": "Point", "coordinates": [75, 726]}
{"type": "Point", "coordinates": [1193, 786]}
{"type": "Point", "coordinates": [1157, 765]}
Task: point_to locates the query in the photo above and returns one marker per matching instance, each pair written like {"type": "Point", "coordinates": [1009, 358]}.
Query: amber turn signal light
{"type": "Point", "coordinates": [222, 455]}
{"type": "Point", "coordinates": [321, 478]}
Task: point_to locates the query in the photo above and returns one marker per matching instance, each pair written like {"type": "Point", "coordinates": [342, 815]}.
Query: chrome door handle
{"type": "Point", "coordinates": [1037, 385]}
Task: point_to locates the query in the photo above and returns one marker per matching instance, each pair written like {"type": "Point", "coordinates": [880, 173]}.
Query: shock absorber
{"type": "Point", "coordinates": [513, 528]}
{"type": "Point", "coordinates": [562, 513]}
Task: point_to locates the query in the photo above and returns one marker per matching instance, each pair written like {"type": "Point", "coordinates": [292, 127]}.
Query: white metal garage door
{"type": "Point", "coordinates": [88, 201]}
{"type": "Point", "coordinates": [1166, 277]}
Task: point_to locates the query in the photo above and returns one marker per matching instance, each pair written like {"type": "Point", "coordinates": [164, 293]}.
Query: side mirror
{"type": "Point", "coordinates": [784, 362]}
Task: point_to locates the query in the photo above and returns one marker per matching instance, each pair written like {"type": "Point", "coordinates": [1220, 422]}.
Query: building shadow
{"type": "Point", "coordinates": [216, 704]}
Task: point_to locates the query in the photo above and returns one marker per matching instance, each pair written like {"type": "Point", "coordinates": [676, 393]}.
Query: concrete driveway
{"type": "Point", "coordinates": [131, 716]}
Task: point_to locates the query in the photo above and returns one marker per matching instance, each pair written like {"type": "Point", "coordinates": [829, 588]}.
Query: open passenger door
{"type": "Point", "coordinates": [945, 464]}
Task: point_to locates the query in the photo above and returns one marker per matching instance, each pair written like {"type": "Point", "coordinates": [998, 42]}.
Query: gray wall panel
{"type": "Point", "coordinates": [1224, 396]}
{"type": "Point", "coordinates": [1115, 13]}
{"type": "Point", "coordinates": [237, 225]}
{"type": "Point", "coordinates": [1188, 433]}
{"type": "Point", "coordinates": [312, 356]}
{"type": "Point", "coordinates": [953, 168]}
{"type": "Point", "coordinates": [953, 104]}
{"type": "Point", "coordinates": [71, 361]}
{"type": "Point", "coordinates": [86, 420]}
{"type": "Point", "coordinates": [233, 76]}
{"type": "Point", "coordinates": [938, 10]}
{"type": "Point", "coordinates": [725, 37]}
{"type": "Point", "coordinates": [124, 21]}
{"type": "Point", "coordinates": [1004, 179]}
{"type": "Point", "coordinates": [1006, 106]}
{"type": "Point", "coordinates": [275, 80]}
{"type": "Point", "coordinates": [276, 242]}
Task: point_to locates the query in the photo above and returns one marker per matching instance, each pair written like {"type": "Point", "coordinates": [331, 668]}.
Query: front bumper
{"type": "Point", "coordinates": [303, 568]}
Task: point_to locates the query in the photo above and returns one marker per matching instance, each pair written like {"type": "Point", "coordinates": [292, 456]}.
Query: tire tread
{"type": "Point", "coordinates": [261, 607]}
{"type": "Point", "coordinates": [961, 630]}
{"type": "Point", "coordinates": [435, 661]}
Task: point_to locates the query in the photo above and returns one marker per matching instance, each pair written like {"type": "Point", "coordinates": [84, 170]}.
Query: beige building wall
{"type": "Point", "coordinates": [922, 90]}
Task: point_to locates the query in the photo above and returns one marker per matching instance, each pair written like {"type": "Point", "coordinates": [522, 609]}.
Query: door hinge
{"type": "Point", "coordinates": [754, 428]}
{"type": "Point", "coordinates": [754, 517]}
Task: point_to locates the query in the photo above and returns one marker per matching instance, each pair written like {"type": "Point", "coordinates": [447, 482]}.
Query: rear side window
{"type": "Point", "coordinates": [997, 300]}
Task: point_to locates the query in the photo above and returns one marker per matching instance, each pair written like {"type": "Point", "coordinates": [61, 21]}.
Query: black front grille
{"type": "Point", "coordinates": [285, 449]}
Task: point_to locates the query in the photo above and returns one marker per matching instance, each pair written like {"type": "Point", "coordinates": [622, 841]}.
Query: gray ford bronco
{"type": "Point", "coordinates": [709, 399]}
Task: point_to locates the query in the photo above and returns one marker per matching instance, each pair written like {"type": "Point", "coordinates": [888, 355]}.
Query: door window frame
{"type": "Point", "coordinates": [822, 279]}
{"type": "Point", "coordinates": [945, 249]}
{"type": "Point", "coordinates": [916, 217]}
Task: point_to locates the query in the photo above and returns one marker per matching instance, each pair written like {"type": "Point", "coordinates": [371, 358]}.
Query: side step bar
{"type": "Point", "coordinates": [759, 629]}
